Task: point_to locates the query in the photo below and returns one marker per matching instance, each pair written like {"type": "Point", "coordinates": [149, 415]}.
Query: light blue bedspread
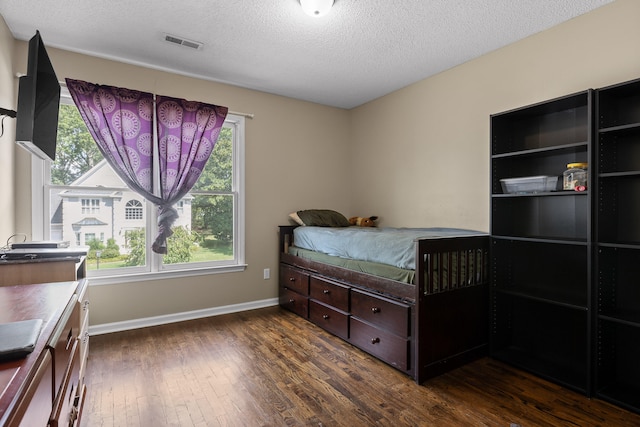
{"type": "Point", "coordinates": [393, 246]}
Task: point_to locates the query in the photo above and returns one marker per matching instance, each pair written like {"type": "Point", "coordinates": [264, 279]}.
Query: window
{"type": "Point", "coordinates": [90, 206]}
{"type": "Point", "coordinates": [133, 210]}
{"type": "Point", "coordinates": [85, 198]}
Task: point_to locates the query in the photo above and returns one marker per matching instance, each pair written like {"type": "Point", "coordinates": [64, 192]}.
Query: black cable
{"type": "Point", "coordinates": [7, 246]}
{"type": "Point", "coordinates": [4, 113]}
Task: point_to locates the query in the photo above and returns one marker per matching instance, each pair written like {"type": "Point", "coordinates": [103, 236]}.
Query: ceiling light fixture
{"type": "Point", "coordinates": [316, 8]}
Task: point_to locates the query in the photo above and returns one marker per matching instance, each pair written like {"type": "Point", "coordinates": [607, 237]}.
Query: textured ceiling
{"type": "Point", "coordinates": [362, 50]}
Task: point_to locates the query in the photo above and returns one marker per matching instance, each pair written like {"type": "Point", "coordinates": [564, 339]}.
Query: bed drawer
{"type": "Point", "coordinates": [385, 313]}
{"type": "Point", "coordinates": [384, 345]}
{"type": "Point", "coordinates": [295, 302]}
{"type": "Point", "coordinates": [328, 292]}
{"type": "Point", "coordinates": [329, 319]}
{"type": "Point", "coordinates": [296, 280]}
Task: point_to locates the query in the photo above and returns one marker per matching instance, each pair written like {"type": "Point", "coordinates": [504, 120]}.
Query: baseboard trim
{"type": "Point", "coordinates": [126, 325]}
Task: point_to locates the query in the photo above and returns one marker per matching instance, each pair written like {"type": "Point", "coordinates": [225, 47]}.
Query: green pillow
{"type": "Point", "coordinates": [320, 218]}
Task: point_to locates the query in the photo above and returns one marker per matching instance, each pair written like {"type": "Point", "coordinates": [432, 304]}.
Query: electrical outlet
{"type": "Point", "coordinates": [267, 273]}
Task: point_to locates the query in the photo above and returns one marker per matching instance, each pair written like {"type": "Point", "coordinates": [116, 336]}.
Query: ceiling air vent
{"type": "Point", "coordinates": [182, 41]}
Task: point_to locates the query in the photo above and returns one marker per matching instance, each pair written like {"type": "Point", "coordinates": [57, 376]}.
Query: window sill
{"type": "Point", "coordinates": [141, 277]}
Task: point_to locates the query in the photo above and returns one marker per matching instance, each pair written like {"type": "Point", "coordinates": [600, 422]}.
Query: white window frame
{"type": "Point", "coordinates": [154, 268]}
{"type": "Point", "coordinates": [237, 191]}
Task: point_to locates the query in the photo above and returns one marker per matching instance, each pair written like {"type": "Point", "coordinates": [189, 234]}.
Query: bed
{"type": "Point", "coordinates": [424, 312]}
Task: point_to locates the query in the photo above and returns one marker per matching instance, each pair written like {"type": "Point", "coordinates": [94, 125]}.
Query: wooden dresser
{"type": "Point", "coordinates": [45, 387]}
{"type": "Point", "coordinates": [27, 278]}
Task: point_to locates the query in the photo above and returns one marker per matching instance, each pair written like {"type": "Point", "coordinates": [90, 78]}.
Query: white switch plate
{"type": "Point", "coordinates": [267, 273]}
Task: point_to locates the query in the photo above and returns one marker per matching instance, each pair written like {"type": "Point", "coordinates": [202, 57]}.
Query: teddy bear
{"type": "Point", "coordinates": [363, 222]}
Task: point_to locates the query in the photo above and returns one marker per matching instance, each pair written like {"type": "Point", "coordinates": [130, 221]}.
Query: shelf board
{"type": "Point", "coordinates": [531, 297]}
{"type": "Point", "coordinates": [620, 245]}
{"type": "Point", "coordinates": [559, 193]}
{"type": "Point", "coordinates": [622, 395]}
{"type": "Point", "coordinates": [542, 150]}
{"type": "Point", "coordinates": [551, 106]}
{"type": "Point", "coordinates": [578, 242]}
{"type": "Point", "coordinates": [619, 318]}
{"type": "Point", "coordinates": [621, 128]}
{"type": "Point", "coordinates": [619, 174]}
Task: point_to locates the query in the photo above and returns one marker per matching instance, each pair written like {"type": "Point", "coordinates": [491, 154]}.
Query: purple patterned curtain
{"type": "Point", "coordinates": [120, 120]}
{"type": "Point", "coordinates": [187, 134]}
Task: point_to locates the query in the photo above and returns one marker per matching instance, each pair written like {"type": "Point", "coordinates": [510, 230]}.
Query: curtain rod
{"type": "Point", "coordinates": [246, 115]}
{"type": "Point", "coordinates": [237, 113]}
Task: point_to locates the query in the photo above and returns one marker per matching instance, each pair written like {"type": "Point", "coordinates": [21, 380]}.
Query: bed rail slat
{"type": "Point", "coordinates": [447, 267]}
{"type": "Point", "coordinates": [430, 272]}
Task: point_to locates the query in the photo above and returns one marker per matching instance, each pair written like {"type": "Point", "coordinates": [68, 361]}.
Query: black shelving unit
{"type": "Point", "coordinates": [542, 242]}
{"type": "Point", "coordinates": [617, 237]}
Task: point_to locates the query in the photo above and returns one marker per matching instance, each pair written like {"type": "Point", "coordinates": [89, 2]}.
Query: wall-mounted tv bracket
{"type": "Point", "coordinates": [4, 113]}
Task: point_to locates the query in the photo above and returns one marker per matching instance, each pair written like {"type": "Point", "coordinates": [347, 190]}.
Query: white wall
{"type": "Point", "coordinates": [420, 156]}
{"type": "Point", "coordinates": [8, 87]}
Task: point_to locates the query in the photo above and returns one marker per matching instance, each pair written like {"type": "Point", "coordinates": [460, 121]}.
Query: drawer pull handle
{"type": "Point", "coordinates": [325, 316]}
{"type": "Point", "coordinates": [375, 310]}
{"type": "Point", "coordinates": [326, 292]}
{"type": "Point", "coordinates": [375, 340]}
{"type": "Point", "coordinates": [291, 301]}
{"type": "Point", "coordinates": [292, 279]}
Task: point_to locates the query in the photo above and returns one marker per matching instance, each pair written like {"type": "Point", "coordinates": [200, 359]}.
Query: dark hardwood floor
{"type": "Point", "coordinates": [269, 367]}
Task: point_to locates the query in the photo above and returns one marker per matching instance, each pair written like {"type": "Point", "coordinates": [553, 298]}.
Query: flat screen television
{"type": "Point", "coordinates": [38, 103]}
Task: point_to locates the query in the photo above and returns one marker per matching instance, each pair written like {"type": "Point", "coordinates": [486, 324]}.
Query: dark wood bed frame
{"type": "Point", "coordinates": [424, 329]}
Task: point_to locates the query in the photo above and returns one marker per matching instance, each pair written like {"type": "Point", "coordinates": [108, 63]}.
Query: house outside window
{"type": "Point", "coordinates": [87, 198]}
